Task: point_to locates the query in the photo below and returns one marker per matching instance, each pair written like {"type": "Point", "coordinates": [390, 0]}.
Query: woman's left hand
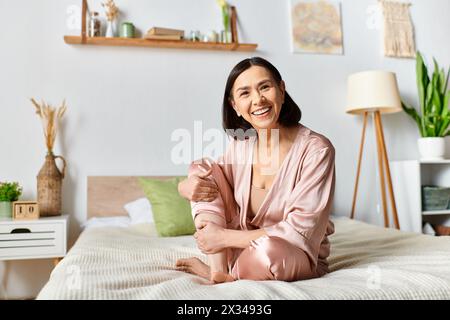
{"type": "Point", "coordinates": [210, 238]}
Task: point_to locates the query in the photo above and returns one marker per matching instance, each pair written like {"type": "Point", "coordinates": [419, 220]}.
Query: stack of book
{"type": "Point", "coordinates": [164, 34]}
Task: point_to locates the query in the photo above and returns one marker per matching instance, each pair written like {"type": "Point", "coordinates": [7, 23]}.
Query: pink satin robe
{"type": "Point", "coordinates": [295, 213]}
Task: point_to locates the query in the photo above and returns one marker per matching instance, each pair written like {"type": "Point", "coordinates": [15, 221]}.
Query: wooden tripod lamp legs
{"type": "Point", "coordinates": [381, 170]}
{"type": "Point", "coordinates": [383, 163]}
{"type": "Point", "coordinates": [386, 164]}
{"type": "Point", "coordinates": [361, 148]}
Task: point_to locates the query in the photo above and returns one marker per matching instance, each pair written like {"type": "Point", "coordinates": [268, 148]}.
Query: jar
{"type": "Point", "coordinates": [195, 36]}
{"type": "Point", "coordinates": [94, 25]}
{"type": "Point", "coordinates": [213, 36]}
{"type": "Point", "coordinates": [127, 30]}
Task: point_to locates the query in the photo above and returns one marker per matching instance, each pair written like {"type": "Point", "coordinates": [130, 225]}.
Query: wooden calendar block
{"type": "Point", "coordinates": [25, 210]}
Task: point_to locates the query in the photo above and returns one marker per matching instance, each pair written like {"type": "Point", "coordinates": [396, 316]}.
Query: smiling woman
{"type": "Point", "coordinates": [262, 211]}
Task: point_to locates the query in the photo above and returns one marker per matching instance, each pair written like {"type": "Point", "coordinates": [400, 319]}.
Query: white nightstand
{"type": "Point", "coordinates": [43, 238]}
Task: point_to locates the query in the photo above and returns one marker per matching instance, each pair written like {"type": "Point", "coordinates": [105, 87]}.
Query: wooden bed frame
{"type": "Point", "coordinates": [106, 195]}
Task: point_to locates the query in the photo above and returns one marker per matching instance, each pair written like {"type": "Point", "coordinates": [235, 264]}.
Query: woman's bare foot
{"type": "Point", "coordinates": [199, 268]}
{"type": "Point", "coordinates": [194, 266]}
{"type": "Point", "coordinates": [220, 277]}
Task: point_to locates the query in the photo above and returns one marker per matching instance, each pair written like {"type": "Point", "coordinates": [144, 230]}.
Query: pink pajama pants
{"type": "Point", "coordinates": [266, 258]}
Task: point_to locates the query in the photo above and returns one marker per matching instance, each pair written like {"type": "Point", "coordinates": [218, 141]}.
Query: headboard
{"type": "Point", "coordinates": [106, 195]}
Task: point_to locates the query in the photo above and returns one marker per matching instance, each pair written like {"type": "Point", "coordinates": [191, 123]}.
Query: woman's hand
{"type": "Point", "coordinates": [198, 188]}
{"type": "Point", "coordinates": [210, 238]}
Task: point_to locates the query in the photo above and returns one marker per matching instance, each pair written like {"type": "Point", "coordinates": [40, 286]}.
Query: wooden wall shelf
{"type": "Point", "coordinates": [141, 42]}
{"type": "Point", "coordinates": [83, 39]}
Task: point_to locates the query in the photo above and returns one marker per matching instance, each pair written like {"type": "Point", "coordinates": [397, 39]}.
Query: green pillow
{"type": "Point", "coordinates": [171, 212]}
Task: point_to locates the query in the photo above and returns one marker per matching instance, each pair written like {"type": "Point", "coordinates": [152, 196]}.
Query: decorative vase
{"type": "Point", "coordinates": [49, 185]}
{"type": "Point", "coordinates": [110, 29]}
{"type": "Point", "coordinates": [225, 36]}
{"type": "Point", "coordinates": [431, 148]}
{"type": "Point", "coordinates": [229, 37]}
{"type": "Point", "coordinates": [5, 209]}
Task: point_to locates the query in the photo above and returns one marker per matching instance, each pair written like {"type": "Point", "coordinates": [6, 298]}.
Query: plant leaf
{"type": "Point", "coordinates": [444, 127]}
{"type": "Point", "coordinates": [445, 104]}
{"type": "Point", "coordinates": [413, 113]}
{"type": "Point", "coordinates": [436, 75]}
{"type": "Point", "coordinates": [422, 84]}
{"type": "Point", "coordinates": [442, 81]}
{"type": "Point", "coordinates": [429, 95]}
{"type": "Point", "coordinates": [446, 80]}
{"type": "Point", "coordinates": [437, 100]}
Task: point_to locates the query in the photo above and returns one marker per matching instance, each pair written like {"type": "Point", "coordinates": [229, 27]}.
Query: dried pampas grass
{"type": "Point", "coordinates": [111, 10]}
{"type": "Point", "coordinates": [50, 118]}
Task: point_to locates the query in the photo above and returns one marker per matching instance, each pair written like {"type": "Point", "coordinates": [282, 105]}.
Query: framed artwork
{"type": "Point", "coordinates": [316, 26]}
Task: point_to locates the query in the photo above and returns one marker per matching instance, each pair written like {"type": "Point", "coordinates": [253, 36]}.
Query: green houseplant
{"type": "Point", "coordinates": [9, 192]}
{"type": "Point", "coordinates": [434, 118]}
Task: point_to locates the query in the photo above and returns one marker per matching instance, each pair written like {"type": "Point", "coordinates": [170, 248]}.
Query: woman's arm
{"type": "Point", "coordinates": [212, 238]}
{"type": "Point", "coordinates": [242, 238]}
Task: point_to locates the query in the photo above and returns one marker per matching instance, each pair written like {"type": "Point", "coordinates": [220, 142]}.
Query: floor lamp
{"type": "Point", "coordinates": [375, 92]}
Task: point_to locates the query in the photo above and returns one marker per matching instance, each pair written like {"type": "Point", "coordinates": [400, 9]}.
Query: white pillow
{"type": "Point", "coordinates": [98, 222]}
{"type": "Point", "coordinates": [140, 211]}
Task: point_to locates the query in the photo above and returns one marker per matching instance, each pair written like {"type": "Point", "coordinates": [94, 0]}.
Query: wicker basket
{"type": "Point", "coordinates": [441, 230]}
{"type": "Point", "coordinates": [435, 198]}
{"type": "Point", "coordinates": [49, 185]}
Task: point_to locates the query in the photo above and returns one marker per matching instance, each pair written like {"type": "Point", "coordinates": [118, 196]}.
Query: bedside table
{"type": "Point", "coordinates": [42, 238]}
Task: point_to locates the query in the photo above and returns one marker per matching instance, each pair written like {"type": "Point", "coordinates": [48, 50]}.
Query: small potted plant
{"type": "Point", "coordinates": [9, 192]}
{"type": "Point", "coordinates": [434, 118]}
{"type": "Point", "coordinates": [112, 12]}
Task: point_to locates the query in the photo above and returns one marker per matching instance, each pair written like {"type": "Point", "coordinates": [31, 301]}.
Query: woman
{"type": "Point", "coordinates": [262, 211]}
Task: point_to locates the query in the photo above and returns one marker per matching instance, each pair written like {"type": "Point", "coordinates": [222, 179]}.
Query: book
{"type": "Point", "coordinates": [163, 37]}
{"type": "Point", "coordinates": [165, 31]}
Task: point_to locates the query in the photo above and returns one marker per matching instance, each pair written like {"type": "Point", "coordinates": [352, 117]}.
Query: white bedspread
{"type": "Point", "coordinates": [367, 262]}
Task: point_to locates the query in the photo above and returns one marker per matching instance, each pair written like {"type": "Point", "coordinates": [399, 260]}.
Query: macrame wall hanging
{"type": "Point", "coordinates": [398, 30]}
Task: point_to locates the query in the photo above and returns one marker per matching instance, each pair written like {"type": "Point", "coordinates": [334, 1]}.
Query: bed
{"type": "Point", "coordinates": [366, 262]}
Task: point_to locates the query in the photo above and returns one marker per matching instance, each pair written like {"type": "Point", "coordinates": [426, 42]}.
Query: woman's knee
{"type": "Point", "coordinates": [202, 218]}
{"type": "Point", "coordinates": [273, 258]}
{"type": "Point", "coordinates": [287, 262]}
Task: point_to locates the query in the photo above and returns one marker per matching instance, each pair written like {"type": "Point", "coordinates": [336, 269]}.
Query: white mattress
{"type": "Point", "coordinates": [366, 262]}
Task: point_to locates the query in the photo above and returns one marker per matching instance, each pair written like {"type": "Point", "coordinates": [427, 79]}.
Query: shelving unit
{"type": "Point", "coordinates": [408, 177]}
{"type": "Point", "coordinates": [83, 39]}
{"type": "Point", "coordinates": [435, 212]}
{"type": "Point", "coordinates": [173, 44]}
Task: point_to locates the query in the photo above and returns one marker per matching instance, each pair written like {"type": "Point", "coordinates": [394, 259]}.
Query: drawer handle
{"type": "Point", "coordinates": [21, 230]}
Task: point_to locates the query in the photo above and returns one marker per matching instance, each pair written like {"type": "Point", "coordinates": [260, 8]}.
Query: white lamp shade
{"type": "Point", "coordinates": [373, 91]}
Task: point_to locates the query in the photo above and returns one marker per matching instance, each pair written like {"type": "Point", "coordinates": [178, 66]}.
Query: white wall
{"type": "Point", "coordinates": [124, 103]}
